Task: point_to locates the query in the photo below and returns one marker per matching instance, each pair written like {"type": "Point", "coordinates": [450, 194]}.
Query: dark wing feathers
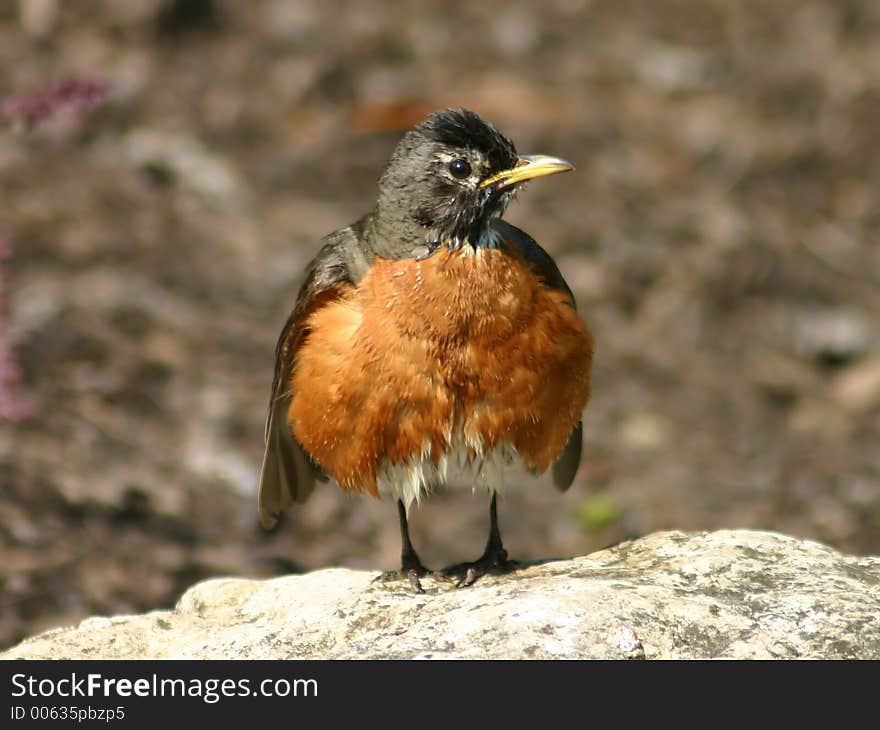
{"type": "Point", "coordinates": [288, 474]}
{"type": "Point", "coordinates": [536, 257]}
{"type": "Point", "coordinates": [539, 261]}
{"type": "Point", "coordinates": [567, 463]}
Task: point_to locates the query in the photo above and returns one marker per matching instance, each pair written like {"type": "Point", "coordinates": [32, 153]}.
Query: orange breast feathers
{"type": "Point", "coordinates": [460, 347]}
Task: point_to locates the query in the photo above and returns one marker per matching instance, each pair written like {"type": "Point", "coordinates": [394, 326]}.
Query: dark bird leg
{"type": "Point", "coordinates": [493, 559]}
{"type": "Point", "coordinates": [411, 566]}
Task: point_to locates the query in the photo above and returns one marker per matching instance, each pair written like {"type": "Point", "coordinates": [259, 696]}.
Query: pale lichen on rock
{"type": "Point", "coordinates": [727, 594]}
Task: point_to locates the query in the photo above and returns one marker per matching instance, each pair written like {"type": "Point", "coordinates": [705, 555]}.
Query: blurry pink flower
{"type": "Point", "coordinates": [31, 109]}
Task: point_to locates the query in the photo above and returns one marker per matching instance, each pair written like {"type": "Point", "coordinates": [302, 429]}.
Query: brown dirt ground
{"type": "Point", "coordinates": [720, 234]}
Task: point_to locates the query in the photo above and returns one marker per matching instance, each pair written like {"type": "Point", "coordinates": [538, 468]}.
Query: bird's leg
{"type": "Point", "coordinates": [494, 557]}
{"type": "Point", "coordinates": [411, 566]}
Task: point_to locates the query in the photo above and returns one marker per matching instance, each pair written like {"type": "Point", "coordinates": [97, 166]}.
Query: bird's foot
{"type": "Point", "coordinates": [494, 561]}
{"type": "Point", "coordinates": [411, 570]}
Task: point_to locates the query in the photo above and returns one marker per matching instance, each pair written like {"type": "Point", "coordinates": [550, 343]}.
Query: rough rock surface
{"type": "Point", "coordinates": [735, 594]}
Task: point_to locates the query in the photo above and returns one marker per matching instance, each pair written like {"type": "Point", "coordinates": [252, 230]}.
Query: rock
{"type": "Point", "coordinates": [38, 18]}
{"type": "Point", "coordinates": [730, 594]}
{"type": "Point", "coordinates": [644, 431]}
{"type": "Point", "coordinates": [833, 335]}
{"type": "Point", "coordinates": [675, 68]}
{"type": "Point", "coordinates": [857, 388]}
{"type": "Point", "coordinates": [170, 156]}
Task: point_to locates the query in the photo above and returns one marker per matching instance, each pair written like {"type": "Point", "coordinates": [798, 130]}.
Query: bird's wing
{"type": "Point", "coordinates": [543, 265]}
{"type": "Point", "coordinates": [288, 473]}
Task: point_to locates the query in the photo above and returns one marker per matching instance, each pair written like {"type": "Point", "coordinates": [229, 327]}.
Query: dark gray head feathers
{"type": "Point", "coordinates": [430, 194]}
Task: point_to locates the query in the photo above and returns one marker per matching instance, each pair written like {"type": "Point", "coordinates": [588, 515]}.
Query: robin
{"type": "Point", "coordinates": [430, 333]}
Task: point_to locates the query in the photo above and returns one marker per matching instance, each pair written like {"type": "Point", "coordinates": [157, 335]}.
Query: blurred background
{"type": "Point", "coordinates": [168, 168]}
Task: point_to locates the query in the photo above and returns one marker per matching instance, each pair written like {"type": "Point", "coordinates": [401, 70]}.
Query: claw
{"type": "Point", "coordinates": [469, 573]}
{"type": "Point", "coordinates": [412, 575]}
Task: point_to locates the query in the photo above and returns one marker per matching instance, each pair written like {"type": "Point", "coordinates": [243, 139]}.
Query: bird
{"type": "Point", "coordinates": [430, 334]}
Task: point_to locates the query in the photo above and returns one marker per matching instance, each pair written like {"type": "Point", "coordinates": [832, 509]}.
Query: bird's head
{"type": "Point", "coordinates": [450, 175]}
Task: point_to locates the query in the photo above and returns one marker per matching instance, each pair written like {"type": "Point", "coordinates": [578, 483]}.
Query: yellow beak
{"type": "Point", "coordinates": [527, 167]}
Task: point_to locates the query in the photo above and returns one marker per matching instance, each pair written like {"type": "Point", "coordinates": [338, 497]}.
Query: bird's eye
{"type": "Point", "coordinates": [460, 168]}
